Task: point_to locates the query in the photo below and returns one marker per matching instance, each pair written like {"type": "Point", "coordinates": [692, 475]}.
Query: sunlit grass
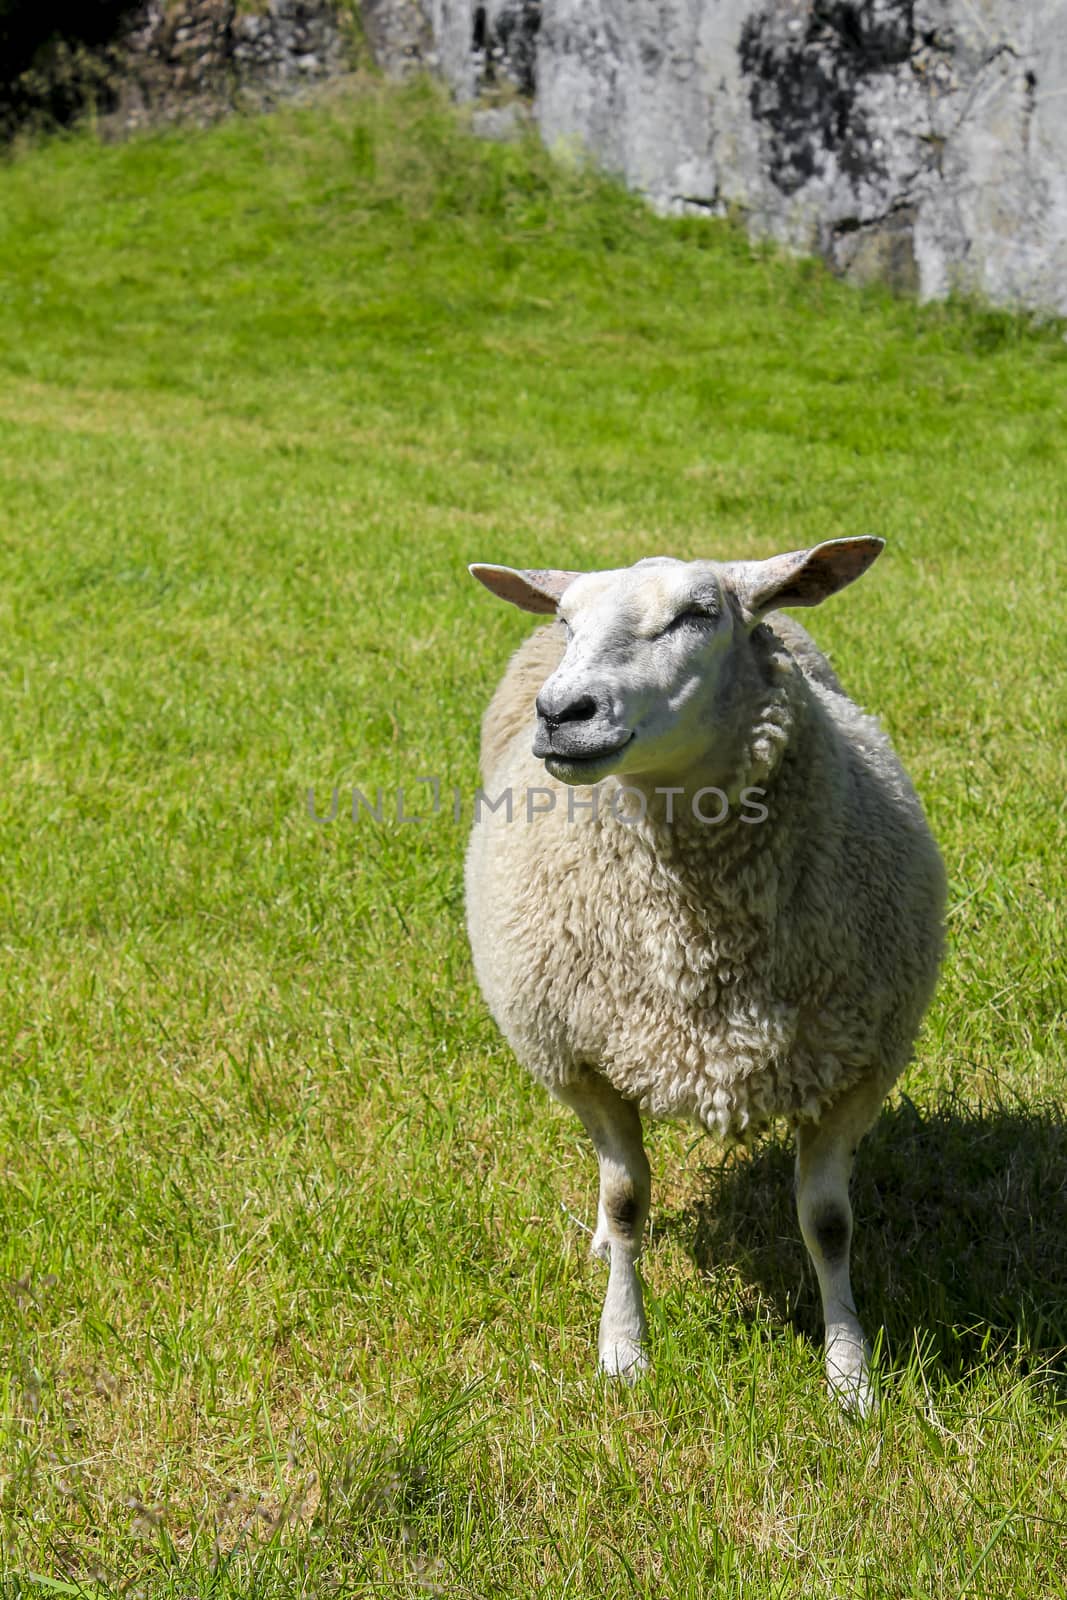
{"type": "Point", "coordinates": [293, 1302]}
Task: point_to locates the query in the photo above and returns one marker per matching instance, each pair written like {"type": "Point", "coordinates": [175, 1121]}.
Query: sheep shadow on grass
{"type": "Point", "coordinates": [960, 1233]}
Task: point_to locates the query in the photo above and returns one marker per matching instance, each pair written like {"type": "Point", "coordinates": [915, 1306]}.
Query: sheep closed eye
{"type": "Point", "coordinates": [692, 617]}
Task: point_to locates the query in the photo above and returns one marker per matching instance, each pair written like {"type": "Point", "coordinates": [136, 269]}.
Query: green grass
{"type": "Point", "coordinates": [292, 1302]}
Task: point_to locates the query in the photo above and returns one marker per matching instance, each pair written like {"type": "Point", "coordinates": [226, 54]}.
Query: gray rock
{"type": "Point", "coordinates": [199, 61]}
{"type": "Point", "coordinates": [474, 47]}
{"type": "Point", "coordinates": [502, 124]}
{"type": "Point", "coordinates": [922, 141]}
{"type": "Point", "coordinates": [405, 34]}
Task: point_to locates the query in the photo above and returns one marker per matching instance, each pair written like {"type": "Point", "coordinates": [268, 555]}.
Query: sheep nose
{"type": "Point", "coordinates": [577, 711]}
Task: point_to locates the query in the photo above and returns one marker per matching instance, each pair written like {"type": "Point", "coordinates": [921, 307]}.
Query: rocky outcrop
{"type": "Point", "coordinates": [922, 142]}
{"type": "Point", "coordinates": [203, 55]}
{"type": "Point", "coordinates": [478, 49]}
{"type": "Point", "coordinates": [171, 59]}
{"type": "Point", "coordinates": [919, 141]}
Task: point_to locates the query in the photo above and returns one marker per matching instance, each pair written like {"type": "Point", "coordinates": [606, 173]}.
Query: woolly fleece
{"type": "Point", "coordinates": [728, 974]}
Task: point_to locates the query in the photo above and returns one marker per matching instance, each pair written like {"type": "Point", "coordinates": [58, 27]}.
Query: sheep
{"type": "Point", "coordinates": [712, 894]}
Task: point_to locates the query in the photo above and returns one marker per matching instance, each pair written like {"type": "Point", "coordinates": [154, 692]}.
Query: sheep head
{"type": "Point", "coordinates": [657, 654]}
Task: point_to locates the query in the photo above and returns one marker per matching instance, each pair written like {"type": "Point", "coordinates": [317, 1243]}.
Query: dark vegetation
{"type": "Point", "coordinates": [59, 59]}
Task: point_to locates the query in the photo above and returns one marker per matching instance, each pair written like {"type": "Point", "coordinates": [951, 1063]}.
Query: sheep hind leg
{"type": "Point", "coordinates": [614, 1126]}
{"type": "Point", "coordinates": [825, 1153]}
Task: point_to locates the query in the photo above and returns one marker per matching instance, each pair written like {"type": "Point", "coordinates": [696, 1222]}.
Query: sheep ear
{"type": "Point", "coordinates": [803, 577]}
{"type": "Point", "coordinates": [539, 590]}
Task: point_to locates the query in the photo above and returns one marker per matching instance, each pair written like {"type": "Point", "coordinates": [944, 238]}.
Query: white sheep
{"type": "Point", "coordinates": [707, 890]}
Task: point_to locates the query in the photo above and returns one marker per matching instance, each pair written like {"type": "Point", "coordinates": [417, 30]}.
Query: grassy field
{"type": "Point", "coordinates": [293, 1301]}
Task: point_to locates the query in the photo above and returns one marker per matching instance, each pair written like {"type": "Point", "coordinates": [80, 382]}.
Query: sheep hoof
{"type": "Point", "coordinates": [624, 1360]}
{"type": "Point", "coordinates": [848, 1377]}
{"type": "Point", "coordinates": [857, 1398]}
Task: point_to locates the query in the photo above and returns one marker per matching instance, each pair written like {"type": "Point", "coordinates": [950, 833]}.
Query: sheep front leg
{"type": "Point", "coordinates": [614, 1125]}
{"type": "Point", "coordinates": [825, 1153]}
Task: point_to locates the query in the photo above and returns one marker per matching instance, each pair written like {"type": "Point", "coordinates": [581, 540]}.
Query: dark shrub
{"type": "Point", "coordinates": [55, 59]}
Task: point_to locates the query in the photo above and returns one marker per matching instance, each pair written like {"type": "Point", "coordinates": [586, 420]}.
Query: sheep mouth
{"type": "Point", "coordinates": [578, 766]}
